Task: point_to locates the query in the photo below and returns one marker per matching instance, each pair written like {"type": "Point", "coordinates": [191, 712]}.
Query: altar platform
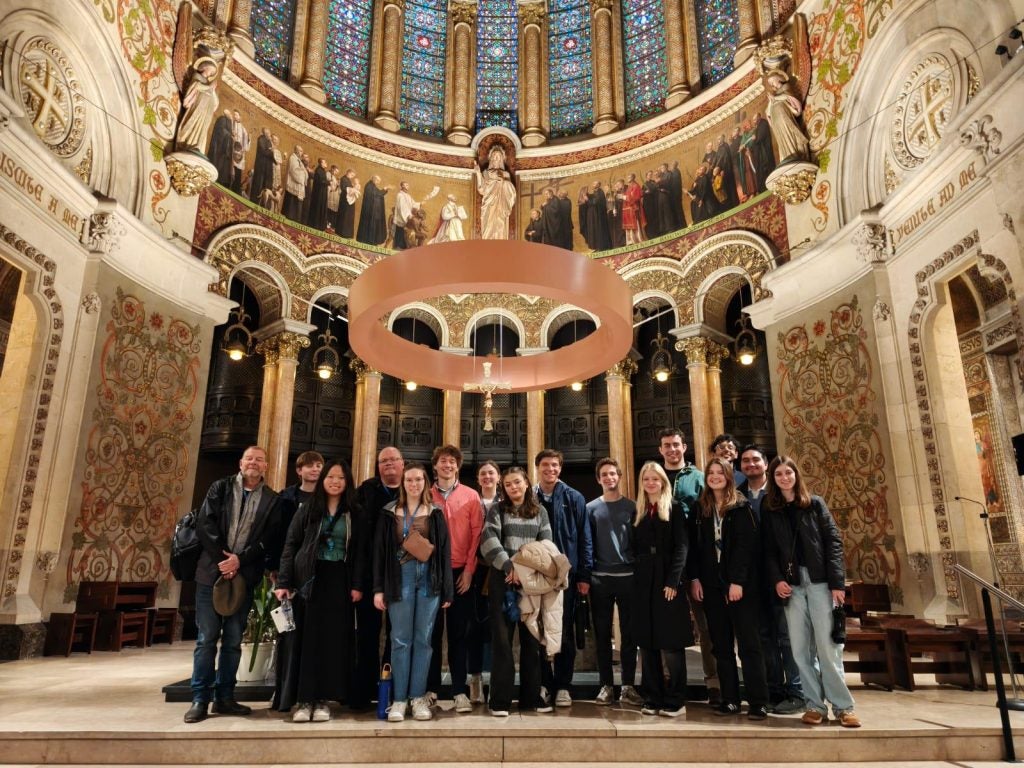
{"type": "Point", "coordinates": [108, 709]}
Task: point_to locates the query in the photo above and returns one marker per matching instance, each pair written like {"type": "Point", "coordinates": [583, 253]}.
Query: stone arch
{"type": "Point", "coordinates": [505, 317]}
{"type": "Point", "coordinates": [426, 314]}
{"type": "Point", "coordinates": [715, 294]}
{"type": "Point", "coordinates": [559, 318]}
{"type": "Point", "coordinates": [658, 277]}
{"type": "Point", "coordinates": [266, 285]}
{"type": "Point", "coordinates": [719, 265]}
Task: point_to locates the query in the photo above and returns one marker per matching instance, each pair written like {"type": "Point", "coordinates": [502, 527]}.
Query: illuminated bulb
{"type": "Point", "coordinates": [236, 353]}
{"type": "Point", "coordinates": [411, 386]}
{"type": "Point", "coordinates": [746, 357]}
{"type": "Point", "coordinates": [576, 386]}
{"type": "Point", "coordinates": [661, 375]}
{"type": "Point", "coordinates": [324, 371]}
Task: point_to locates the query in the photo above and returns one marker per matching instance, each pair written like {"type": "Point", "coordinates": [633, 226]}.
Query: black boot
{"type": "Point", "coordinates": [230, 707]}
{"type": "Point", "coordinates": [197, 712]}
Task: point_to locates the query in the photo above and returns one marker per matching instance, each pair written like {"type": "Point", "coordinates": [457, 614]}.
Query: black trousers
{"type": "Point", "coordinates": [737, 625]}
{"type": "Point", "coordinates": [605, 593]}
{"type": "Point", "coordinates": [658, 692]}
{"type": "Point", "coordinates": [368, 660]}
{"type": "Point", "coordinates": [503, 666]}
{"type": "Point", "coordinates": [454, 619]}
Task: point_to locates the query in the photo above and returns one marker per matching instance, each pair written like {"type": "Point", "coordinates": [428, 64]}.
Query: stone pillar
{"type": "Point", "coordinates": [283, 346]}
{"type": "Point", "coordinates": [532, 72]}
{"type": "Point", "coordinates": [269, 394]}
{"type": "Point", "coordinates": [749, 31]}
{"type": "Point", "coordinates": [534, 429]}
{"type": "Point", "coordinates": [716, 420]}
{"type": "Point", "coordinates": [620, 420]}
{"type": "Point", "coordinates": [675, 54]}
{"type": "Point", "coordinates": [604, 73]}
{"type": "Point", "coordinates": [312, 83]}
{"type": "Point", "coordinates": [451, 433]}
{"type": "Point", "coordinates": [364, 438]}
{"type": "Point", "coordinates": [692, 52]}
{"type": "Point", "coordinates": [238, 26]}
{"type": "Point", "coordinates": [462, 72]}
{"type": "Point", "coordinates": [391, 66]}
{"type": "Point", "coordinates": [696, 350]}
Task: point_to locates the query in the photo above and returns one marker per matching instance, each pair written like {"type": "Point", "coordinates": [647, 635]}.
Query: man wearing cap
{"type": "Point", "coordinates": [238, 524]}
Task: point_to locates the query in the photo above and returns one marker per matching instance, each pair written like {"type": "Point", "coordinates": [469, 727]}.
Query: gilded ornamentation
{"type": "Point", "coordinates": [84, 168]}
{"type": "Point", "coordinates": [773, 54]}
{"type": "Point", "coordinates": [716, 354]}
{"type": "Point", "coordinates": [973, 81]}
{"type": "Point", "coordinates": [624, 369]}
{"type": "Point", "coordinates": [831, 422]}
{"type": "Point", "coordinates": [601, 5]}
{"type": "Point", "coordinates": [871, 242]}
{"type": "Point", "coordinates": [361, 369]}
{"type": "Point", "coordinates": [91, 303]}
{"type": "Point", "coordinates": [696, 350]}
{"type": "Point", "coordinates": [793, 181]}
{"type": "Point", "coordinates": [210, 38]}
{"type": "Point", "coordinates": [983, 137]}
{"type": "Point", "coordinates": [603, 59]}
{"type": "Point", "coordinates": [282, 346]}
{"type": "Point", "coordinates": [137, 453]}
{"type": "Point", "coordinates": [462, 13]}
{"type": "Point", "coordinates": [189, 175]}
{"type": "Point", "coordinates": [532, 13]}
{"type": "Point", "coordinates": [53, 313]}
{"type": "Point", "coordinates": [52, 96]}
{"type": "Point", "coordinates": [104, 232]}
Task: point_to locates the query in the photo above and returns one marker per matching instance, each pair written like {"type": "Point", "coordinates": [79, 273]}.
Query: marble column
{"type": "Point", "coordinates": [312, 83]}
{"type": "Point", "coordinates": [675, 54]}
{"type": "Point", "coordinates": [691, 59]}
{"type": "Point", "coordinates": [532, 71]}
{"type": "Point", "coordinates": [285, 346]}
{"type": "Point", "coordinates": [716, 419]}
{"type": "Point", "coordinates": [620, 420]}
{"type": "Point", "coordinates": [696, 350]}
{"type": "Point", "coordinates": [238, 26]}
{"type": "Point", "coordinates": [749, 31]}
{"type": "Point", "coordinates": [604, 74]}
{"type": "Point", "coordinates": [534, 429]}
{"type": "Point", "coordinates": [462, 64]}
{"type": "Point", "coordinates": [391, 66]}
{"type": "Point", "coordinates": [269, 394]}
{"type": "Point", "coordinates": [451, 433]}
{"type": "Point", "coordinates": [364, 437]}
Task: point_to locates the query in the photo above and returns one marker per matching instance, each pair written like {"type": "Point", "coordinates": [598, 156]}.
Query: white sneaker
{"type": "Point", "coordinates": [321, 712]}
{"type": "Point", "coordinates": [303, 713]}
{"type": "Point", "coordinates": [562, 698]}
{"type": "Point", "coordinates": [396, 712]}
{"type": "Point", "coordinates": [421, 708]}
{"type": "Point", "coordinates": [545, 697]}
{"type": "Point", "coordinates": [499, 713]}
{"type": "Point", "coordinates": [605, 695]}
{"type": "Point", "coordinates": [462, 703]}
{"type": "Point", "coordinates": [476, 689]}
{"type": "Point", "coordinates": [431, 698]}
{"type": "Point", "coordinates": [672, 712]}
{"type": "Point", "coordinates": [628, 695]}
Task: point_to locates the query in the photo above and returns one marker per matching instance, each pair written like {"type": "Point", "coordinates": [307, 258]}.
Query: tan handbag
{"type": "Point", "coordinates": [418, 546]}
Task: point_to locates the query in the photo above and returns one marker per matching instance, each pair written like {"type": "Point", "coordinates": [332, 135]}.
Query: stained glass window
{"type": "Point", "coordinates": [569, 67]}
{"type": "Point", "coordinates": [497, 64]}
{"type": "Point", "coordinates": [423, 54]}
{"type": "Point", "coordinates": [271, 25]}
{"type": "Point", "coordinates": [347, 59]}
{"type": "Point", "coordinates": [718, 29]}
{"type": "Point", "coordinates": [643, 43]}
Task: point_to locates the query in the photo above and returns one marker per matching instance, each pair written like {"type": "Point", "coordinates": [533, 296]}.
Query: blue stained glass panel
{"type": "Point", "coordinates": [643, 44]}
{"type": "Point", "coordinates": [271, 25]}
{"type": "Point", "coordinates": [423, 53]}
{"type": "Point", "coordinates": [347, 58]}
{"type": "Point", "coordinates": [718, 34]}
{"type": "Point", "coordinates": [497, 64]}
{"type": "Point", "coordinates": [569, 67]}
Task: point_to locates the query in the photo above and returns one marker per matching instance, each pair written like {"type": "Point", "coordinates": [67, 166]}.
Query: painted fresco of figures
{"type": "Point", "coordinates": [533, 227]}
{"type": "Point", "coordinates": [239, 149]}
{"type": "Point", "coordinates": [333, 198]}
{"type": "Point", "coordinates": [318, 196]}
{"type": "Point", "coordinates": [219, 152]}
{"type": "Point", "coordinates": [373, 219]}
{"type": "Point", "coordinates": [405, 205]}
{"type": "Point", "coordinates": [349, 193]}
{"type": "Point", "coordinates": [449, 228]}
{"type": "Point", "coordinates": [263, 165]}
{"type": "Point", "coordinates": [295, 185]}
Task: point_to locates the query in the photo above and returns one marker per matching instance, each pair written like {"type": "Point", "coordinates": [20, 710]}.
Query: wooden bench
{"type": "Point", "coordinates": [982, 655]}
{"type": "Point", "coordinates": [861, 598]}
{"type": "Point", "coordinates": [875, 664]}
{"type": "Point", "coordinates": [919, 647]}
{"type": "Point", "coordinates": [123, 608]}
{"type": "Point", "coordinates": [67, 632]}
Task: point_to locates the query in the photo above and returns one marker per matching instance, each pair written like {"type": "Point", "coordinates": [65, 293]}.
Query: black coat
{"type": "Point", "coordinates": [741, 550]}
{"type": "Point", "coordinates": [298, 560]}
{"type": "Point", "coordinates": [387, 571]}
{"type": "Point", "coordinates": [819, 536]}
{"type": "Point", "coordinates": [659, 551]}
{"type": "Point", "coordinates": [372, 497]}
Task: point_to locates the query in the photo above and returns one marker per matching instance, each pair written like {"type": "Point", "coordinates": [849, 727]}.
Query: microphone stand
{"type": "Point", "coordinates": [1016, 703]}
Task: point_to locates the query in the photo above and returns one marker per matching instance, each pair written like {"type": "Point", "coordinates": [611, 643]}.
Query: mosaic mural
{"type": "Point", "coordinates": [831, 425]}
{"type": "Point", "coordinates": [137, 453]}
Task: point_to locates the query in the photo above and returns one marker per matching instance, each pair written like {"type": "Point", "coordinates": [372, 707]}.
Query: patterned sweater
{"type": "Point", "coordinates": [502, 538]}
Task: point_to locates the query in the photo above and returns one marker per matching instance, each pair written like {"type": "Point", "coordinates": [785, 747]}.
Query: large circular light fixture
{"type": "Point", "coordinates": [490, 266]}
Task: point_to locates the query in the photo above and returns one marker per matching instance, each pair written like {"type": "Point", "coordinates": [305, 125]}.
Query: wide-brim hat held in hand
{"type": "Point", "coordinates": [228, 595]}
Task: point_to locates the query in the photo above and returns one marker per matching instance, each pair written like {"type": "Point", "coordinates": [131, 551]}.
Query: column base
{"type": "Point", "coordinates": [387, 122]}
{"type": "Point", "coordinates": [533, 137]}
{"type": "Point", "coordinates": [243, 42]}
{"type": "Point", "coordinates": [21, 641]}
{"type": "Point", "coordinates": [605, 125]}
{"type": "Point", "coordinates": [460, 136]}
{"type": "Point", "coordinates": [314, 90]}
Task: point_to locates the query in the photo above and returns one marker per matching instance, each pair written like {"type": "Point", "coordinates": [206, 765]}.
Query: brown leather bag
{"type": "Point", "coordinates": [418, 546]}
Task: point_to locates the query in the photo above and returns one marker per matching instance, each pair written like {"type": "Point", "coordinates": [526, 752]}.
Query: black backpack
{"type": "Point", "coordinates": [185, 548]}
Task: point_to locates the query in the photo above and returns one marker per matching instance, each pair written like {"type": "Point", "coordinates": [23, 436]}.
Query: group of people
{"type": "Point", "coordinates": [436, 564]}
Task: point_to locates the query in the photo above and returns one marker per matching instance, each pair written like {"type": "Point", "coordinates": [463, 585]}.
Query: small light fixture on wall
{"type": "Point", "coordinates": [662, 366]}
{"type": "Point", "coordinates": [237, 337]}
{"type": "Point", "coordinates": [745, 347]}
{"type": "Point", "coordinates": [325, 358]}
{"type": "Point", "coordinates": [576, 386]}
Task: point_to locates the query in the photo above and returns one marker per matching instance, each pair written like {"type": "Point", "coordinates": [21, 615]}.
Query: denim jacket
{"type": "Point", "coordinates": [571, 529]}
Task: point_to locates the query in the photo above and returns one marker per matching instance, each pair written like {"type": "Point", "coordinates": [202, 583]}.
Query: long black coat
{"type": "Point", "coordinates": [659, 549]}
{"type": "Point", "coordinates": [741, 551]}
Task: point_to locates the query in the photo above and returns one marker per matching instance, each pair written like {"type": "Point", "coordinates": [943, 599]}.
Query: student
{"type": "Point", "coordinates": [488, 475]}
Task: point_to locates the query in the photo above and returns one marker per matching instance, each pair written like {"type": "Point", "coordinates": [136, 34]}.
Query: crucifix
{"type": "Point", "coordinates": [486, 385]}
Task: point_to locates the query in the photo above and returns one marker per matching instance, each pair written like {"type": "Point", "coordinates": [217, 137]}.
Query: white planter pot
{"type": "Point", "coordinates": [263, 669]}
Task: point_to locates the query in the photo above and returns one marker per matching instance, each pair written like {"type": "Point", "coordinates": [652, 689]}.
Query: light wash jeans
{"type": "Point", "coordinates": [213, 627]}
{"type": "Point", "coordinates": [412, 624]}
{"type": "Point", "coordinates": [809, 618]}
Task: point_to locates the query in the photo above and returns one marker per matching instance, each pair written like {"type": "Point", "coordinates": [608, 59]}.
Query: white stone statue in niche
{"type": "Point", "coordinates": [497, 195]}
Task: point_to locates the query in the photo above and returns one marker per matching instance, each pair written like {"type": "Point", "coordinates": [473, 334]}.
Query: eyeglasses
{"type": "Point", "coordinates": [388, 461]}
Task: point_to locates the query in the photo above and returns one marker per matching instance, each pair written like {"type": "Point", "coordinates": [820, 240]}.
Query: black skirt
{"type": "Point", "coordinates": [314, 661]}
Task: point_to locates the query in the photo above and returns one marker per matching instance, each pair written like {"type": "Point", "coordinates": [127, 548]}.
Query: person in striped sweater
{"type": "Point", "coordinates": [516, 520]}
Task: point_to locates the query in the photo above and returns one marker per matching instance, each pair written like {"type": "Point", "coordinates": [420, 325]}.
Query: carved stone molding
{"type": "Point", "coordinates": [285, 345]}
{"type": "Point", "coordinates": [190, 174]}
{"type": "Point", "coordinates": [793, 181]}
{"type": "Point", "coordinates": [532, 13]}
{"type": "Point", "coordinates": [91, 303]}
{"type": "Point", "coordinates": [46, 562]}
{"type": "Point", "coordinates": [52, 96]}
{"type": "Point", "coordinates": [923, 109]}
{"type": "Point", "coordinates": [919, 563]}
{"type": "Point", "coordinates": [983, 137]}
{"type": "Point", "coordinates": [462, 13]}
{"type": "Point", "coordinates": [696, 350]}
{"type": "Point", "coordinates": [623, 369]}
{"type": "Point", "coordinates": [872, 243]}
{"type": "Point", "coordinates": [1008, 223]}
{"type": "Point", "coordinates": [881, 311]}
{"type": "Point", "coordinates": [104, 233]}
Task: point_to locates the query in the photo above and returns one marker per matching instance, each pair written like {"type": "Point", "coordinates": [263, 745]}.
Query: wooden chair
{"type": "Point", "coordinates": [874, 662]}
{"type": "Point", "coordinates": [67, 632]}
{"type": "Point", "coordinates": [920, 647]}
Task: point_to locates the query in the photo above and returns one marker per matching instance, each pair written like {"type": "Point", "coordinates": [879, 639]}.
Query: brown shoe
{"type": "Point", "coordinates": [849, 720]}
{"type": "Point", "coordinates": [813, 717]}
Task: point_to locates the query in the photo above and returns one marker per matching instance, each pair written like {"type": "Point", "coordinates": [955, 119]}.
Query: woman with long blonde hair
{"type": "Point", "coordinates": [661, 616]}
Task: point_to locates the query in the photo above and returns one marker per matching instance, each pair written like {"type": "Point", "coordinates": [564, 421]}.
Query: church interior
{"type": "Point", "coordinates": [808, 211]}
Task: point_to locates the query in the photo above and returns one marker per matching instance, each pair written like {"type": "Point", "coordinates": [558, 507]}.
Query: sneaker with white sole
{"type": "Point", "coordinates": [648, 709]}
{"type": "Point", "coordinates": [476, 689]}
{"type": "Point", "coordinates": [303, 713]}
{"type": "Point", "coordinates": [462, 703]}
{"type": "Point", "coordinates": [499, 713]}
{"type": "Point", "coordinates": [431, 698]}
{"type": "Point", "coordinates": [421, 708]}
{"type": "Point", "coordinates": [673, 712]}
{"type": "Point", "coordinates": [396, 712]}
{"type": "Point", "coordinates": [629, 695]}
{"type": "Point", "coordinates": [321, 712]}
{"type": "Point", "coordinates": [563, 698]}
{"type": "Point", "coordinates": [605, 695]}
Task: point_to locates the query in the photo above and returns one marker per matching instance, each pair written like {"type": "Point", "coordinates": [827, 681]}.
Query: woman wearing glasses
{"type": "Point", "coordinates": [316, 573]}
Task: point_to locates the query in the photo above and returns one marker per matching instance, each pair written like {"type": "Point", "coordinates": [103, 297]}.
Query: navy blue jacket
{"type": "Point", "coordinates": [571, 530]}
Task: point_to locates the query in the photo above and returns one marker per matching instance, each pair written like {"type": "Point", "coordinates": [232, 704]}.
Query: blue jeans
{"type": "Point", "coordinates": [228, 629]}
{"type": "Point", "coordinates": [809, 618]}
{"type": "Point", "coordinates": [412, 624]}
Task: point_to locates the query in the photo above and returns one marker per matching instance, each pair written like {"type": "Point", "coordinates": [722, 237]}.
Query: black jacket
{"type": "Point", "coordinates": [213, 525]}
{"type": "Point", "coordinates": [819, 536]}
{"type": "Point", "coordinates": [660, 549]}
{"type": "Point", "coordinates": [741, 550]}
{"type": "Point", "coordinates": [387, 571]}
{"type": "Point", "coordinates": [372, 497]}
{"type": "Point", "coordinates": [298, 560]}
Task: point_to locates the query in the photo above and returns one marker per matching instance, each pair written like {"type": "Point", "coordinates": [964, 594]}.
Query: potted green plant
{"type": "Point", "coordinates": [259, 636]}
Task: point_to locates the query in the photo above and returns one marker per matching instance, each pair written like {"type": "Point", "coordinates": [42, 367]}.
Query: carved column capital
{"type": "Point", "coordinates": [104, 232]}
{"type": "Point", "coordinates": [624, 369]}
{"type": "Point", "coordinates": [462, 12]}
{"type": "Point", "coordinates": [872, 243]}
{"type": "Point", "coordinates": [716, 354]}
{"type": "Point", "coordinates": [282, 346]}
{"type": "Point", "coordinates": [361, 369]}
{"type": "Point", "coordinates": [696, 350]}
{"type": "Point", "coordinates": [601, 5]}
{"type": "Point", "coordinates": [532, 13]}
{"type": "Point", "coordinates": [983, 137]}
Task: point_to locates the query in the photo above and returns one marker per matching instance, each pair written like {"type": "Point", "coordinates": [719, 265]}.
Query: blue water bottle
{"type": "Point", "coordinates": [384, 692]}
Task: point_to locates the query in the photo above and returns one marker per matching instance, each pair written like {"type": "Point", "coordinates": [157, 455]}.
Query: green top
{"type": "Point", "coordinates": [332, 547]}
